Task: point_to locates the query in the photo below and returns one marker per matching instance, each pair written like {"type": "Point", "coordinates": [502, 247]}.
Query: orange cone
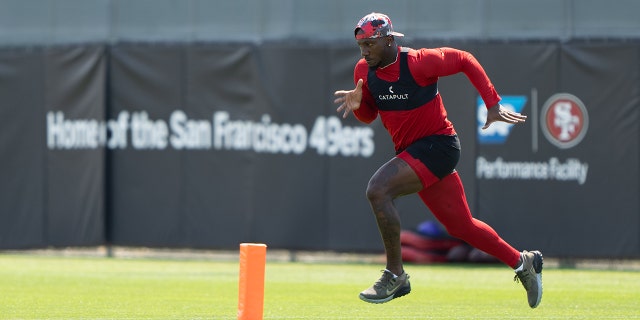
{"type": "Point", "coordinates": [253, 257]}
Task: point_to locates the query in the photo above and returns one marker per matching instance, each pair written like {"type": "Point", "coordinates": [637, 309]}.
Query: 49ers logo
{"type": "Point", "coordinates": [564, 120]}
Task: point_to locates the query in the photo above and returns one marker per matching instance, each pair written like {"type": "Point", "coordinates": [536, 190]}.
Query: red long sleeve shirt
{"type": "Point", "coordinates": [426, 66]}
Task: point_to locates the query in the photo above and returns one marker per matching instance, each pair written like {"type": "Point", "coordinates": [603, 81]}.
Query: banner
{"type": "Point", "coordinates": [566, 182]}
{"type": "Point", "coordinates": [22, 141]}
{"type": "Point", "coordinates": [75, 83]}
{"type": "Point", "coordinates": [224, 147]}
{"type": "Point", "coordinates": [207, 145]}
{"type": "Point", "coordinates": [52, 168]}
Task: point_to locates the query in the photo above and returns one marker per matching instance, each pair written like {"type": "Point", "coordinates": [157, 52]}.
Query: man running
{"type": "Point", "coordinates": [400, 85]}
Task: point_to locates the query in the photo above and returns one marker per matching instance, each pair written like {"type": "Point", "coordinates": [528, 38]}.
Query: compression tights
{"type": "Point", "coordinates": [447, 201]}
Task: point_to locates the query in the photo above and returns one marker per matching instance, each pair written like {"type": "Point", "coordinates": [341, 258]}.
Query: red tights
{"type": "Point", "coordinates": [448, 203]}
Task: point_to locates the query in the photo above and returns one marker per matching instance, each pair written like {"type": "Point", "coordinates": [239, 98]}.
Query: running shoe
{"type": "Point", "coordinates": [388, 287]}
{"type": "Point", "coordinates": [530, 275]}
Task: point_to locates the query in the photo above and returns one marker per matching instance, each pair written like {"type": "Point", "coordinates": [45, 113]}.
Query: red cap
{"type": "Point", "coordinates": [375, 25]}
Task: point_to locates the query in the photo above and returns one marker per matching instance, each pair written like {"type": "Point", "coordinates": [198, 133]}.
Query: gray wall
{"type": "Point", "coordinates": [64, 21]}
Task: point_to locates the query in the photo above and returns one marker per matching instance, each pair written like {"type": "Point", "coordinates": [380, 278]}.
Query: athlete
{"type": "Point", "coordinates": [400, 85]}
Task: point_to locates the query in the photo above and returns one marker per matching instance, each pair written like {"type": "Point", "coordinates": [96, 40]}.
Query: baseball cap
{"type": "Point", "coordinates": [375, 25]}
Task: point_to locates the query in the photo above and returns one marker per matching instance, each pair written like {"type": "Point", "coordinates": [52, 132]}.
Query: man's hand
{"type": "Point", "coordinates": [349, 99]}
{"type": "Point", "coordinates": [500, 113]}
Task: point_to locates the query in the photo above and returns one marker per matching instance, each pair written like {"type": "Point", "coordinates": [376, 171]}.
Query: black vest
{"type": "Point", "coordinates": [404, 94]}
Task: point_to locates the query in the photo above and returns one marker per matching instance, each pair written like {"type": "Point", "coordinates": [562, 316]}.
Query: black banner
{"type": "Point", "coordinates": [22, 141]}
{"type": "Point", "coordinates": [567, 181]}
{"type": "Point", "coordinates": [206, 145]}
{"type": "Point", "coordinates": [52, 168]}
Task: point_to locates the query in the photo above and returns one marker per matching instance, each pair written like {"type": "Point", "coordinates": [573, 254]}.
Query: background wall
{"type": "Point", "coordinates": [191, 124]}
{"type": "Point", "coordinates": [63, 21]}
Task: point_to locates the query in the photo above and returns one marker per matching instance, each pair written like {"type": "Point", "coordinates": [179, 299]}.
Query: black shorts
{"type": "Point", "coordinates": [439, 153]}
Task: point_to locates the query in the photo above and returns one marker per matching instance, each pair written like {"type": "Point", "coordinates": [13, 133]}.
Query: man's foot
{"type": "Point", "coordinates": [388, 287]}
{"type": "Point", "coordinates": [530, 275]}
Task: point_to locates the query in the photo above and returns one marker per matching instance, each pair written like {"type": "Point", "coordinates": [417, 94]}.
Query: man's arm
{"type": "Point", "coordinates": [441, 62]}
{"type": "Point", "coordinates": [349, 100]}
{"type": "Point", "coordinates": [499, 113]}
{"type": "Point", "coordinates": [447, 61]}
{"type": "Point", "coordinates": [364, 110]}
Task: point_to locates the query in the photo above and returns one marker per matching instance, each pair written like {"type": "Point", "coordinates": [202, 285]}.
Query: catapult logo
{"type": "Point", "coordinates": [564, 120]}
{"type": "Point", "coordinates": [393, 95]}
{"type": "Point", "coordinates": [498, 132]}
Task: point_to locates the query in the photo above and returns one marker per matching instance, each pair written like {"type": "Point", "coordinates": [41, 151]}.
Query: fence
{"type": "Point", "coordinates": [207, 145]}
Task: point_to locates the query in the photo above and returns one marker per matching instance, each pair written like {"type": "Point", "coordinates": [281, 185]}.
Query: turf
{"type": "Point", "coordinates": [45, 287]}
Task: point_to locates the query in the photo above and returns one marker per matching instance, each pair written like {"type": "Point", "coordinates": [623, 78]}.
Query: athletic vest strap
{"type": "Point", "coordinates": [404, 94]}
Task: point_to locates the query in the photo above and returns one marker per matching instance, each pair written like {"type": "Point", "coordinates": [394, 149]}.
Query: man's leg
{"type": "Point", "coordinates": [395, 178]}
{"type": "Point", "coordinates": [448, 203]}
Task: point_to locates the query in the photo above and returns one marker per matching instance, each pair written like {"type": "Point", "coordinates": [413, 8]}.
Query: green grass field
{"type": "Point", "coordinates": [46, 287]}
